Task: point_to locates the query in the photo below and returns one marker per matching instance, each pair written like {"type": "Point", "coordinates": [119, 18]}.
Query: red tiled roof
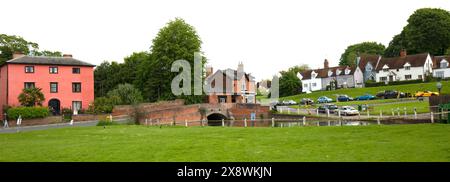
{"type": "Point", "coordinates": [437, 61]}
{"type": "Point", "coordinates": [415, 60]}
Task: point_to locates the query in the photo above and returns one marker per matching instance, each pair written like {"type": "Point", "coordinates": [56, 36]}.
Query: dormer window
{"type": "Point", "coordinates": [385, 68]}
{"type": "Point", "coordinates": [313, 75]}
{"type": "Point", "coordinates": [338, 72]}
{"type": "Point", "coordinates": [347, 71]}
{"type": "Point", "coordinates": [444, 64]}
{"type": "Point", "coordinates": [407, 66]}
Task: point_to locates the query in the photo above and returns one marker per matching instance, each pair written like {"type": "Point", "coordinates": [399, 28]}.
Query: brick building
{"type": "Point", "coordinates": [65, 82]}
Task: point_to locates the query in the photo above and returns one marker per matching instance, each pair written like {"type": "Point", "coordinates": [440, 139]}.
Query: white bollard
{"type": "Point", "coordinates": [318, 123]}
{"type": "Point", "coordinates": [404, 109]}
{"type": "Point", "coordinates": [328, 113]}
{"type": "Point", "coordinates": [378, 121]}
{"type": "Point", "coordinates": [71, 122]}
{"type": "Point", "coordinates": [368, 113]}
{"type": "Point", "coordinates": [110, 118]}
{"type": "Point", "coordinates": [329, 123]}
{"type": "Point", "coordinates": [317, 111]}
{"type": "Point", "coordinates": [146, 122]}
{"type": "Point", "coordinates": [392, 112]}
{"type": "Point", "coordinates": [298, 110]}
{"type": "Point", "coordinates": [273, 122]}
{"type": "Point", "coordinates": [223, 123]}
{"type": "Point", "coordinates": [415, 114]}
{"type": "Point", "coordinates": [245, 122]}
{"type": "Point", "coordinates": [432, 117]}
{"type": "Point", "coordinates": [304, 120]}
{"type": "Point", "coordinates": [339, 113]}
{"type": "Point", "coordinates": [381, 114]}
{"type": "Point", "coordinates": [281, 110]}
{"type": "Point", "coordinates": [185, 123]}
{"type": "Point", "coordinates": [398, 111]}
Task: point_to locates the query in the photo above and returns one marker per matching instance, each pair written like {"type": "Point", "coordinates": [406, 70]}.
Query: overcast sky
{"type": "Point", "coordinates": [268, 36]}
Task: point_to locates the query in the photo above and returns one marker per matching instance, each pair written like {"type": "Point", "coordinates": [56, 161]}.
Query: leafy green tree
{"type": "Point", "coordinates": [351, 52]}
{"type": "Point", "coordinates": [176, 41]}
{"type": "Point", "coordinates": [428, 30]}
{"type": "Point", "coordinates": [9, 44]}
{"type": "Point", "coordinates": [126, 93]}
{"type": "Point", "coordinates": [289, 84]}
{"type": "Point", "coordinates": [299, 68]}
{"type": "Point", "coordinates": [12, 43]}
{"type": "Point", "coordinates": [31, 97]}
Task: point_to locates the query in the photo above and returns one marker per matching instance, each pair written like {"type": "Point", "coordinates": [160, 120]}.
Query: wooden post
{"type": "Point", "coordinates": [245, 122]}
{"type": "Point", "coordinates": [223, 122]}
{"type": "Point", "coordinates": [432, 117]}
{"type": "Point", "coordinates": [273, 122]}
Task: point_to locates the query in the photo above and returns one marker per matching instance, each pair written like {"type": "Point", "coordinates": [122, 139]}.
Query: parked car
{"type": "Point", "coordinates": [289, 102]}
{"type": "Point", "coordinates": [348, 111]}
{"type": "Point", "coordinates": [365, 97]}
{"type": "Point", "coordinates": [390, 94]}
{"type": "Point", "coordinates": [331, 107]}
{"type": "Point", "coordinates": [324, 99]}
{"type": "Point", "coordinates": [344, 98]}
{"type": "Point", "coordinates": [306, 101]}
{"type": "Point", "coordinates": [426, 94]}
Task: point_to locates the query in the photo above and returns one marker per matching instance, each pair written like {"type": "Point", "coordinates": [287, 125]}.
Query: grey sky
{"type": "Point", "coordinates": [268, 36]}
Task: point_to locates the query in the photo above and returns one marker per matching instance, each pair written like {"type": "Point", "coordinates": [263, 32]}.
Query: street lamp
{"type": "Point", "coordinates": [439, 87]}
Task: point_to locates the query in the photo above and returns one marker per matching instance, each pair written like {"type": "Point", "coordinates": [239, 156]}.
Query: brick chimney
{"type": "Point", "coordinates": [325, 64]}
{"type": "Point", "coordinates": [18, 55]}
{"type": "Point", "coordinates": [209, 70]}
{"type": "Point", "coordinates": [67, 55]}
{"type": "Point", "coordinates": [403, 53]}
{"type": "Point", "coordinates": [240, 67]}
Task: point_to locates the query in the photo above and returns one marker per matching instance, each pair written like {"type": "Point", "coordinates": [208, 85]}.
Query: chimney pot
{"type": "Point", "coordinates": [18, 55]}
{"type": "Point", "coordinates": [325, 63]}
{"type": "Point", "coordinates": [403, 53]}
{"type": "Point", "coordinates": [67, 55]}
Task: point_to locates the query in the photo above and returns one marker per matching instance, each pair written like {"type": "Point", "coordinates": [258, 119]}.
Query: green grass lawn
{"type": "Point", "coordinates": [354, 92]}
{"type": "Point", "coordinates": [419, 142]}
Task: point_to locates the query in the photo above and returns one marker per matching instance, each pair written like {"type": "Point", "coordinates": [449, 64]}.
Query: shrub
{"type": "Point", "coordinates": [27, 112]}
{"type": "Point", "coordinates": [126, 94]}
{"type": "Point", "coordinates": [103, 105]}
{"type": "Point", "coordinates": [31, 97]}
{"type": "Point", "coordinates": [106, 122]}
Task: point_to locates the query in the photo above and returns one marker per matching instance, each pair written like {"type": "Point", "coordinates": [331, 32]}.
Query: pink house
{"type": "Point", "coordinates": [65, 82]}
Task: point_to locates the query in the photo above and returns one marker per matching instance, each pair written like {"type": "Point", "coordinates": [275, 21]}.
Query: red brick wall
{"type": "Point", "coordinates": [38, 121]}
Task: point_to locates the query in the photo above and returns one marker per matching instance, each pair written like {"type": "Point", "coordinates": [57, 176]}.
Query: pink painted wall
{"type": "Point", "coordinates": [42, 78]}
{"type": "Point", "coordinates": [3, 76]}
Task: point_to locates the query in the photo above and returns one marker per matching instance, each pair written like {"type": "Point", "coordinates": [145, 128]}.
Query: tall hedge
{"type": "Point", "coordinates": [27, 112]}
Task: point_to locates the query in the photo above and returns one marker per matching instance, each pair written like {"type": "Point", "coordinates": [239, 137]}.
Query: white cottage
{"type": "Point", "coordinates": [441, 67]}
{"type": "Point", "coordinates": [405, 67]}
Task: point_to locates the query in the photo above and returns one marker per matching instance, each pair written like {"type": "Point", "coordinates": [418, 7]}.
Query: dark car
{"type": "Point", "coordinates": [331, 107]}
{"type": "Point", "coordinates": [344, 98]}
{"type": "Point", "coordinates": [390, 94]}
{"type": "Point", "coordinates": [306, 101]}
{"type": "Point", "coordinates": [365, 97]}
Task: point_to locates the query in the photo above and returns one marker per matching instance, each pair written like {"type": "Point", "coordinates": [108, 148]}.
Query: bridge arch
{"type": "Point", "coordinates": [215, 119]}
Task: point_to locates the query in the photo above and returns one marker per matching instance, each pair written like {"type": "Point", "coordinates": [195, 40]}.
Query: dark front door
{"type": "Point", "coordinates": [391, 78]}
{"type": "Point", "coordinates": [54, 106]}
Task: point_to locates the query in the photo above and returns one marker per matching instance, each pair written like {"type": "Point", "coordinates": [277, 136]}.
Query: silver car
{"type": "Point", "coordinates": [348, 111]}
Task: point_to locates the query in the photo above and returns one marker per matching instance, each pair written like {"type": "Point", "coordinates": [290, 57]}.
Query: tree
{"type": "Point", "coordinates": [348, 58]}
{"type": "Point", "coordinates": [428, 30]}
{"type": "Point", "coordinates": [289, 84]}
{"type": "Point", "coordinates": [12, 43]}
{"type": "Point", "coordinates": [299, 68]}
{"type": "Point", "coordinates": [31, 97]}
{"type": "Point", "coordinates": [126, 93]}
{"type": "Point", "coordinates": [9, 44]}
{"type": "Point", "coordinates": [176, 41]}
